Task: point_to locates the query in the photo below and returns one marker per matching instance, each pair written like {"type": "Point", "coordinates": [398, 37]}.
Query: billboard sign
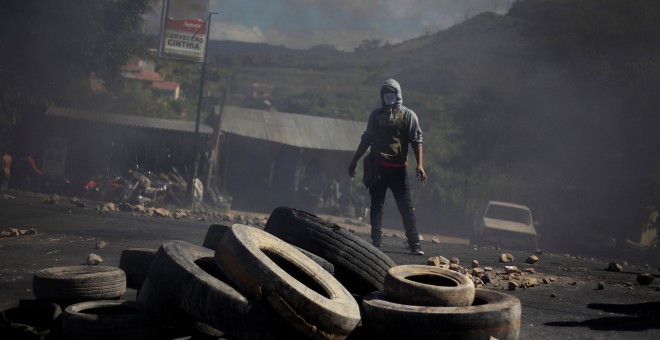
{"type": "Point", "coordinates": [183, 29]}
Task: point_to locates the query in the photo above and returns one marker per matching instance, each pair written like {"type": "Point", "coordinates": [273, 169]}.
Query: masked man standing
{"type": "Point", "coordinates": [389, 131]}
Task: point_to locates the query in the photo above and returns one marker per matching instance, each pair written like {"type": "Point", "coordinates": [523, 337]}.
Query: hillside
{"type": "Point", "coordinates": [548, 105]}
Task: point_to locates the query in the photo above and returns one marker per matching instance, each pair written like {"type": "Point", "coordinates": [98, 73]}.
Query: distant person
{"type": "Point", "coordinates": [28, 171]}
{"type": "Point", "coordinates": [390, 129]}
{"type": "Point", "coordinates": [6, 170]}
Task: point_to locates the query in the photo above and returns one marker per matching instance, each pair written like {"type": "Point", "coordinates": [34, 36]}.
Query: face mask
{"type": "Point", "coordinates": [389, 99]}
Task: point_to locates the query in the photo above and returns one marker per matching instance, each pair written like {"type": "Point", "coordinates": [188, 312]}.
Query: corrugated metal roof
{"type": "Point", "coordinates": [279, 127]}
{"type": "Point", "coordinates": [134, 121]}
{"type": "Point", "coordinates": [293, 129]}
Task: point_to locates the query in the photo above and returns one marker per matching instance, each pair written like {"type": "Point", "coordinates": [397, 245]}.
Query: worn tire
{"type": "Point", "coordinates": [28, 319]}
{"type": "Point", "coordinates": [271, 270]}
{"type": "Point", "coordinates": [184, 284]}
{"type": "Point", "coordinates": [215, 232]}
{"type": "Point", "coordinates": [493, 314]}
{"type": "Point", "coordinates": [110, 320]}
{"type": "Point", "coordinates": [214, 235]}
{"type": "Point", "coordinates": [67, 285]}
{"type": "Point", "coordinates": [359, 266]}
{"type": "Point", "coordinates": [135, 263]}
{"type": "Point", "coordinates": [428, 286]}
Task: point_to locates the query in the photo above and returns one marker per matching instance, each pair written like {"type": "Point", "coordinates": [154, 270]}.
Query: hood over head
{"type": "Point", "coordinates": [391, 85]}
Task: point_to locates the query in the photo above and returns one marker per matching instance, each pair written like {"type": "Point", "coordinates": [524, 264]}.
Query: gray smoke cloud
{"type": "Point", "coordinates": [390, 21]}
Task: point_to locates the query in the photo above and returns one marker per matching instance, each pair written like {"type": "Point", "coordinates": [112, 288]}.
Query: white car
{"type": "Point", "coordinates": [507, 225]}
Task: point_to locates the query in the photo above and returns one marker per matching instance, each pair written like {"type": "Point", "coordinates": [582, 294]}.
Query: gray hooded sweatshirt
{"type": "Point", "coordinates": [391, 128]}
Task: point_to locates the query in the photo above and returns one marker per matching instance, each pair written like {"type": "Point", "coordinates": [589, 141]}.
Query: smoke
{"type": "Point", "coordinates": [342, 23]}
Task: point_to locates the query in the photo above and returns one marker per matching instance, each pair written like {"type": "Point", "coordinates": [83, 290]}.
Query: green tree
{"type": "Point", "coordinates": [45, 46]}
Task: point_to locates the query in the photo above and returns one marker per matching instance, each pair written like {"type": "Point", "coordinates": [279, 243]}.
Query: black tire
{"type": "Point", "coordinates": [184, 284]}
{"type": "Point", "coordinates": [493, 314]}
{"type": "Point", "coordinates": [28, 319]}
{"type": "Point", "coordinates": [100, 320]}
{"type": "Point", "coordinates": [214, 235]}
{"type": "Point", "coordinates": [215, 232]}
{"type": "Point", "coordinates": [428, 286]}
{"type": "Point", "coordinates": [67, 285]}
{"type": "Point", "coordinates": [135, 264]}
{"type": "Point", "coordinates": [271, 270]}
{"type": "Point", "coordinates": [359, 266]}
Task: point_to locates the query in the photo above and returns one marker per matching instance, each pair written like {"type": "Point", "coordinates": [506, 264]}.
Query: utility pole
{"type": "Point", "coordinates": [212, 171]}
{"type": "Point", "coordinates": [195, 156]}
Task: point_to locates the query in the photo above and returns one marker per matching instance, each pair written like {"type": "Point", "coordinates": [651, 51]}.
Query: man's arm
{"type": "Point", "coordinates": [362, 148]}
{"type": "Point", "coordinates": [419, 155]}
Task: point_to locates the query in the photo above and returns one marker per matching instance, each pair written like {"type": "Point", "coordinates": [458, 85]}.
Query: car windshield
{"type": "Point", "coordinates": [500, 212]}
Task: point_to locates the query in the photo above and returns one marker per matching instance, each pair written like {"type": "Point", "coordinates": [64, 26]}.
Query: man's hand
{"type": "Point", "coordinates": [421, 174]}
{"type": "Point", "coordinates": [351, 169]}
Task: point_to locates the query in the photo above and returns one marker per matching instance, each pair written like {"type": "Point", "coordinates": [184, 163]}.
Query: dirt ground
{"type": "Point", "coordinates": [568, 306]}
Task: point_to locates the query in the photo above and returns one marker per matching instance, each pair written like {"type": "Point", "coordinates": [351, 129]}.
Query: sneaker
{"type": "Point", "coordinates": [416, 249]}
{"type": "Point", "coordinates": [376, 244]}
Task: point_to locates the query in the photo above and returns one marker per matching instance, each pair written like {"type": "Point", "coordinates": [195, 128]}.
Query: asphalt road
{"type": "Point", "coordinates": [569, 307]}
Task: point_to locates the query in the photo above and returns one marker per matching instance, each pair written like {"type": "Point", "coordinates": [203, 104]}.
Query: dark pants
{"type": "Point", "coordinates": [397, 180]}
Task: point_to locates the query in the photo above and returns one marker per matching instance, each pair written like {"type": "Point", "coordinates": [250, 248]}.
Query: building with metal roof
{"type": "Point", "coordinates": [266, 159]}
{"type": "Point", "coordinates": [127, 120]}
{"type": "Point", "coordinates": [297, 130]}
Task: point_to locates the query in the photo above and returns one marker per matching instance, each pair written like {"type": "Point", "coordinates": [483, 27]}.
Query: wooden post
{"type": "Point", "coordinates": [212, 171]}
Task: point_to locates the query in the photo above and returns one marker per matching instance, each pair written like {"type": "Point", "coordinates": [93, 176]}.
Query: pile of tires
{"type": "Point", "coordinates": [299, 277]}
{"type": "Point", "coordinates": [425, 302]}
{"type": "Point", "coordinates": [88, 305]}
{"type": "Point", "coordinates": [253, 286]}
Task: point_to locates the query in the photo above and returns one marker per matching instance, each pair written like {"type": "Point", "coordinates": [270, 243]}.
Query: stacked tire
{"type": "Point", "coordinates": [358, 265]}
{"type": "Point", "coordinates": [425, 302]}
{"type": "Point", "coordinates": [90, 299]}
{"type": "Point", "coordinates": [253, 286]}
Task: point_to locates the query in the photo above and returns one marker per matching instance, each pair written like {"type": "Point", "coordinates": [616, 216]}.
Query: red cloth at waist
{"type": "Point", "coordinates": [387, 164]}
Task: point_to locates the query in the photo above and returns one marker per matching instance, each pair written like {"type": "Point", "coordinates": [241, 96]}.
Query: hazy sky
{"type": "Point", "coordinates": [341, 23]}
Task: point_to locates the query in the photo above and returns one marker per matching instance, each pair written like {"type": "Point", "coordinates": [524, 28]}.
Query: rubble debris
{"type": "Point", "coordinates": [52, 199]}
{"type": "Point", "coordinates": [125, 206]}
{"type": "Point", "coordinates": [421, 237]}
{"type": "Point", "coordinates": [601, 285]}
{"type": "Point", "coordinates": [506, 258]}
{"type": "Point", "coordinates": [531, 282]}
{"type": "Point", "coordinates": [511, 269]}
{"type": "Point", "coordinates": [109, 207]}
{"type": "Point", "coordinates": [488, 269]}
{"type": "Point", "coordinates": [438, 261]}
{"type": "Point", "coordinates": [395, 235]}
{"type": "Point", "coordinates": [8, 197]}
{"type": "Point", "coordinates": [485, 278]}
{"type": "Point", "coordinates": [553, 295]}
{"type": "Point", "coordinates": [512, 285]}
{"type": "Point", "coordinates": [532, 259]}
{"type": "Point", "coordinates": [475, 263]}
{"type": "Point", "coordinates": [477, 271]}
{"type": "Point", "coordinates": [94, 260]}
{"type": "Point", "coordinates": [457, 268]}
{"type": "Point", "coordinates": [101, 245]}
{"type": "Point", "coordinates": [614, 267]}
{"type": "Point", "coordinates": [435, 240]}
{"type": "Point", "coordinates": [530, 270]}
{"type": "Point", "coordinates": [161, 212]}
{"type": "Point", "coordinates": [433, 261]}
{"type": "Point", "coordinates": [10, 232]}
{"type": "Point", "coordinates": [644, 279]}
{"type": "Point", "coordinates": [454, 260]}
